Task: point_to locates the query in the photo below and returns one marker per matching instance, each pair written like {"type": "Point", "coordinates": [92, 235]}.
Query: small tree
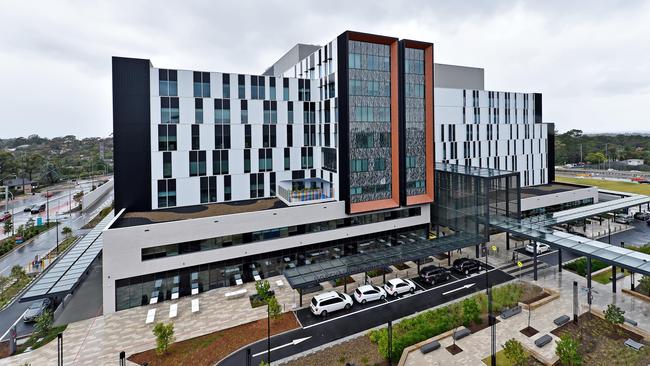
{"type": "Point", "coordinates": [67, 231]}
{"type": "Point", "coordinates": [262, 288]}
{"type": "Point", "coordinates": [455, 317]}
{"type": "Point", "coordinates": [18, 272]}
{"type": "Point", "coordinates": [44, 322]}
{"type": "Point", "coordinates": [8, 225]}
{"type": "Point", "coordinates": [274, 307]}
{"type": "Point", "coordinates": [615, 316]}
{"type": "Point", "coordinates": [164, 336]}
{"type": "Point", "coordinates": [515, 352]}
{"type": "Point", "coordinates": [567, 351]}
{"type": "Point", "coordinates": [471, 312]}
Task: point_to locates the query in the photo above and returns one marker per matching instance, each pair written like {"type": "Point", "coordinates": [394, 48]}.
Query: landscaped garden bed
{"type": "Point", "coordinates": [359, 351]}
{"type": "Point", "coordinates": [402, 266]}
{"type": "Point", "coordinates": [209, 349]}
{"type": "Point", "coordinates": [602, 343]}
{"type": "Point", "coordinates": [502, 360]}
{"type": "Point", "coordinates": [341, 281]}
{"type": "Point", "coordinates": [579, 266]}
{"type": "Point", "coordinates": [379, 272]}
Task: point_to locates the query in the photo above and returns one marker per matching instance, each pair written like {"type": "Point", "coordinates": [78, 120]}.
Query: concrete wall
{"type": "Point", "coordinates": [458, 77]}
{"type": "Point", "coordinates": [89, 199]}
{"type": "Point", "coordinates": [559, 198]}
{"type": "Point", "coordinates": [122, 252]}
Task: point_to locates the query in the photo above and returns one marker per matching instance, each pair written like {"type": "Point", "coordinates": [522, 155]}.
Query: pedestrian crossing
{"type": "Point", "coordinates": [526, 268]}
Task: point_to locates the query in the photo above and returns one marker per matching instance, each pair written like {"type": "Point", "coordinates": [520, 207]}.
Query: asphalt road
{"type": "Point", "coordinates": [39, 246]}
{"type": "Point", "coordinates": [361, 319]}
{"type": "Point", "coordinates": [639, 235]}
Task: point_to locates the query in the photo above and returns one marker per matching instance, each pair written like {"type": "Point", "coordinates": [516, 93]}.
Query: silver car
{"type": "Point", "coordinates": [35, 310]}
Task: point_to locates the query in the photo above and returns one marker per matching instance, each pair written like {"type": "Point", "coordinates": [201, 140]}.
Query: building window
{"type": "Point", "coordinates": [208, 189]}
{"type": "Point", "coordinates": [241, 86]}
{"type": "Point", "coordinates": [248, 137]}
{"type": "Point", "coordinates": [269, 136]}
{"type": "Point", "coordinates": [289, 135]}
{"type": "Point", "coordinates": [306, 157]}
{"type": "Point", "coordinates": [304, 89]}
{"type": "Point", "coordinates": [270, 112]}
{"type": "Point", "coordinates": [222, 137]}
{"type": "Point", "coordinates": [226, 85]}
{"type": "Point", "coordinates": [265, 160]}
{"type": "Point", "coordinates": [380, 164]}
{"type": "Point", "coordinates": [167, 165]}
{"type": "Point", "coordinates": [197, 163]}
{"type": "Point", "coordinates": [227, 190]}
{"type": "Point", "coordinates": [329, 159]}
{"type": "Point", "coordinates": [285, 89]}
{"type": "Point", "coordinates": [411, 161]}
{"type": "Point", "coordinates": [247, 161]}
{"type": "Point", "coordinates": [167, 83]}
{"type": "Point", "coordinates": [169, 110]}
{"type": "Point", "coordinates": [221, 111]}
{"type": "Point", "coordinates": [196, 137]}
{"type": "Point", "coordinates": [359, 165]}
{"type": "Point", "coordinates": [257, 87]}
{"type": "Point", "coordinates": [220, 162]}
{"type": "Point", "coordinates": [166, 193]}
{"type": "Point", "coordinates": [272, 184]}
{"type": "Point", "coordinates": [201, 84]}
{"type": "Point", "coordinates": [244, 111]}
{"type": "Point", "coordinates": [272, 88]}
{"type": "Point", "coordinates": [198, 110]}
{"type": "Point", "coordinates": [257, 185]}
{"type": "Point", "coordinates": [290, 112]}
{"type": "Point", "coordinates": [166, 138]}
{"type": "Point", "coordinates": [287, 158]}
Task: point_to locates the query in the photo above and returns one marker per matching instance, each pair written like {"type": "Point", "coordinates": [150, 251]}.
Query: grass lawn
{"type": "Point", "coordinates": [502, 360]}
{"type": "Point", "coordinates": [66, 243]}
{"type": "Point", "coordinates": [209, 349]}
{"type": "Point", "coordinates": [100, 216]}
{"type": "Point", "coordinates": [604, 277]}
{"type": "Point", "coordinates": [609, 184]}
{"type": "Point", "coordinates": [579, 266]}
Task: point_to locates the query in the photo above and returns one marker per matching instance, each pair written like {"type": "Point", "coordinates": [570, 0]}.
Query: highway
{"type": "Point", "coordinates": [40, 246]}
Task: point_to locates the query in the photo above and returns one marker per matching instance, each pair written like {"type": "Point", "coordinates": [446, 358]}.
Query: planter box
{"type": "Point", "coordinates": [626, 326]}
{"type": "Point", "coordinates": [552, 295]}
{"type": "Point", "coordinates": [638, 295]}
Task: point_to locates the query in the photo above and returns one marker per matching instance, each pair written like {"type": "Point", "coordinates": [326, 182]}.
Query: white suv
{"type": "Point", "coordinates": [328, 302]}
{"type": "Point", "coordinates": [541, 248]}
{"type": "Point", "coordinates": [398, 286]}
{"type": "Point", "coordinates": [369, 293]}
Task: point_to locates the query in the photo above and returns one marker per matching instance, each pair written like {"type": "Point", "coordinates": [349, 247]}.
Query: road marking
{"type": "Point", "coordinates": [6, 268]}
{"type": "Point", "coordinates": [469, 285]}
{"type": "Point", "coordinates": [396, 299]}
{"type": "Point", "coordinates": [418, 285]}
{"type": "Point", "coordinates": [14, 324]}
{"type": "Point", "coordinates": [292, 343]}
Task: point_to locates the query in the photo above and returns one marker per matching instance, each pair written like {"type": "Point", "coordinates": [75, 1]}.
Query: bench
{"type": "Point", "coordinates": [173, 310]}
{"type": "Point", "coordinates": [429, 347]}
{"type": "Point", "coordinates": [510, 312]}
{"type": "Point", "coordinates": [543, 340]}
{"type": "Point", "coordinates": [151, 315]}
{"type": "Point", "coordinates": [236, 294]}
{"type": "Point", "coordinates": [561, 320]}
{"type": "Point", "coordinates": [195, 305]}
{"type": "Point", "coordinates": [633, 344]}
{"type": "Point", "coordinates": [279, 283]}
{"type": "Point", "coordinates": [631, 322]}
{"type": "Point", "coordinates": [462, 333]}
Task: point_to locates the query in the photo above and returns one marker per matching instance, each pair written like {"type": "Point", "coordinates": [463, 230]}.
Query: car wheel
{"type": "Point", "coordinates": [433, 282]}
{"type": "Point", "coordinates": [347, 306]}
{"type": "Point", "coordinates": [411, 290]}
{"type": "Point", "coordinates": [447, 277]}
{"type": "Point", "coordinates": [467, 272]}
{"type": "Point", "coordinates": [382, 298]}
{"type": "Point", "coordinates": [363, 301]}
{"type": "Point", "coordinates": [324, 313]}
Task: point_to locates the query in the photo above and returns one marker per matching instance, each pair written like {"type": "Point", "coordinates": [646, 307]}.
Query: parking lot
{"type": "Point", "coordinates": [307, 319]}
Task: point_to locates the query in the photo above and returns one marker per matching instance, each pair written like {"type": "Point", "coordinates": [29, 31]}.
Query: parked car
{"type": "Point", "coordinates": [541, 248]}
{"type": "Point", "coordinates": [367, 293]}
{"type": "Point", "coordinates": [433, 274]}
{"type": "Point", "coordinates": [466, 265]}
{"type": "Point", "coordinates": [38, 208]}
{"type": "Point", "coordinates": [5, 216]}
{"type": "Point", "coordinates": [643, 216]}
{"type": "Point", "coordinates": [648, 222]}
{"type": "Point", "coordinates": [398, 286]}
{"type": "Point", "coordinates": [623, 219]}
{"type": "Point", "coordinates": [27, 209]}
{"type": "Point", "coordinates": [329, 302]}
{"type": "Point", "coordinates": [35, 310]}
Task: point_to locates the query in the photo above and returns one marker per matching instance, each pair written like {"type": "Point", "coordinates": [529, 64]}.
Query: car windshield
{"type": "Point", "coordinates": [389, 284]}
{"type": "Point", "coordinates": [313, 302]}
{"type": "Point", "coordinates": [342, 297]}
{"type": "Point", "coordinates": [35, 305]}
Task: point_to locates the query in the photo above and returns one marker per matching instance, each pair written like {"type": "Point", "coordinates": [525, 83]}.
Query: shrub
{"type": "Point", "coordinates": [579, 266]}
{"type": "Point", "coordinates": [164, 336]}
{"type": "Point", "coordinates": [18, 272]}
{"type": "Point", "coordinates": [515, 352]}
{"type": "Point", "coordinates": [274, 307]}
{"type": "Point", "coordinates": [644, 285]}
{"type": "Point", "coordinates": [614, 314]}
{"type": "Point", "coordinates": [262, 288]}
{"type": "Point", "coordinates": [471, 311]}
{"type": "Point", "coordinates": [567, 351]}
{"type": "Point", "coordinates": [67, 231]}
{"type": "Point", "coordinates": [44, 323]}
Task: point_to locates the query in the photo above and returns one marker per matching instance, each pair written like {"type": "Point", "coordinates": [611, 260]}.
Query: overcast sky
{"type": "Point", "coordinates": [590, 59]}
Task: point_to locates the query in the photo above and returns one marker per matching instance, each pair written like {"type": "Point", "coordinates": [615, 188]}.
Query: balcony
{"type": "Point", "coordinates": [305, 191]}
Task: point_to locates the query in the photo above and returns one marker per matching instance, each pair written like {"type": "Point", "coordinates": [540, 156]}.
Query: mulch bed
{"type": "Point", "coordinates": [209, 349]}
{"type": "Point", "coordinates": [602, 343]}
{"type": "Point", "coordinates": [358, 351]}
{"type": "Point", "coordinates": [529, 331]}
{"type": "Point", "coordinates": [534, 298]}
{"type": "Point", "coordinates": [401, 266]}
{"type": "Point", "coordinates": [532, 293]}
{"type": "Point", "coordinates": [454, 349]}
{"type": "Point", "coordinates": [484, 324]}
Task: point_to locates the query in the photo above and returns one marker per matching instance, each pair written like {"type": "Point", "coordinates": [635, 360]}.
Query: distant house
{"type": "Point", "coordinates": [633, 162]}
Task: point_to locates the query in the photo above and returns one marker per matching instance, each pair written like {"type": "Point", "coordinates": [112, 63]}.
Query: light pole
{"type": "Point", "coordinates": [268, 332]}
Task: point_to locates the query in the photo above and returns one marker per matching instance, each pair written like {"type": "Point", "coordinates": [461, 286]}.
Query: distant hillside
{"type": "Point", "coordinates": [48, 160]}
{"type": "Point", "coordinates": [597, 148]}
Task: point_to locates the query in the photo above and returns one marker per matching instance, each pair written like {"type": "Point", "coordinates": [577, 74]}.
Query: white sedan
{"type": "Point", "coordinates": [541, 248]}
{"type": "Point", "coordinates": [398, 286]}
{"type": "Point", "coordinates": [367, 293]}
